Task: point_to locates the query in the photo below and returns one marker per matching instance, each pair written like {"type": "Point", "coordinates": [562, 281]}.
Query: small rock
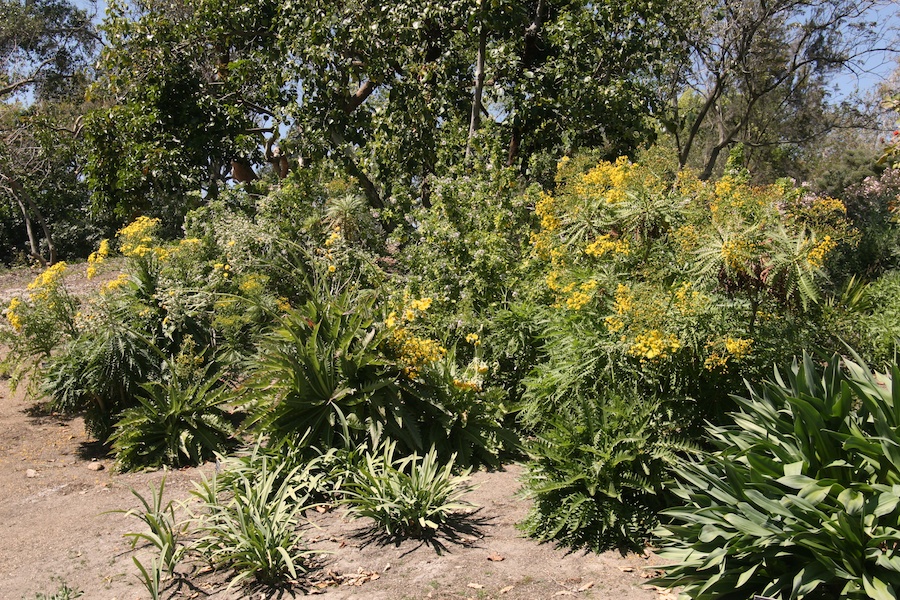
{"type": "Point", "coordinates": [95, 466]}
{"type": "Point", "coordinates": [30, 473]}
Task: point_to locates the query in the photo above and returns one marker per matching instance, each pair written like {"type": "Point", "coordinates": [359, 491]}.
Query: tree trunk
{"type": "Point", "coordinates": [31, 212]}
{"type": "Point", "coordinates": [475, 121]}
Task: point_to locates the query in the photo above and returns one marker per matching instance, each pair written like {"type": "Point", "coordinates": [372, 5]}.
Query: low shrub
{"type": "Point", "coordinates": [597, 472]}
{"type": "Point", "coordinates": [412, 496]}
{"type": "Point", "coordinates": [174, 424]}
{"type": "Point", "coordinates": [801, 498]}
{"type": "Point", "coordinates": [251, 525]}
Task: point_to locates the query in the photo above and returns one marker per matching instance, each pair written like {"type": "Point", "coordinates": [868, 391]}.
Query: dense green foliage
{"type": "Point", "coordinates": [393, 241]}
{"type": "Point", "coordinates": [598, 474]}
{"type": "Point", "coordinates": [801, 497]}
{"type": "Point", "coordinates": [410, 496]}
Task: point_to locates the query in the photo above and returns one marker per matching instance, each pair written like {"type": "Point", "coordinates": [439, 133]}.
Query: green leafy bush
{"type": "Point", "coordinates": [321, 376]}
{"type": "Point", "coordinates": [251, 524]}
{"type": "Point", "coordinates": [175, 423]}
{"type": "Point", "coordinates": [801, 497]}
{"type": "Point", "coordinates": [333, 374]}
{"type": "Point", "coordinates": [411, 496]}
{"type": "Point", "coordinates": [37, 324]}
{"type": "Point", "coordinates": [596, 474]}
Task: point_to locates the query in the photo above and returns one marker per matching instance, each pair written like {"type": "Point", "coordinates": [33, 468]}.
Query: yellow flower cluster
{"type": "Point", "coordinates": [414, 351]}
{"type": "Point", "coordinates": [473, 339]}
{"type": "Point", "coordinates": [97, 258]}
{"type": "Point", "coordinates": [688, 238]}
{"type": "Point", "coordinates": [253, 284]}
{"type": "Point", "coordinates": [12, 316]}
{"type": "Point", "coordinates": [654, 345]}
{"type": "Point", "coordinates": [819, 252]}
{"type": "Point", "coordinates": [624, 303]}
{"type": "Point", "coordinates": [607, 181]}
{"type": "Point", "coordinates": [136, 239]}
{"type": "Point", "coordinates": [467, 386]}
{"type": "Point", "coordinates": [736, 252]}
{"type": "Point", "coordinates": [116, 283]}
{"type": "Point", "coordinates": [607, 244]}
{"type": "Point", "coordinates": [725, 351]}
{"type": "Point", "coordinates": [544, 208]}
{"type": "Point", "coordinates": [738, 348]}
{"type": "Point", "coordinates": [335, 237]}
{"type": "Point", "coordinates": [689, 301]}
{"type": "Point", "coordinates": [47, 282]}
{"type": "Point", "coordinates": [579, 296]}
{"type": "Point", "coordinates": [224, 268]}
{"type": "Point", "coordinates": [422, 305]}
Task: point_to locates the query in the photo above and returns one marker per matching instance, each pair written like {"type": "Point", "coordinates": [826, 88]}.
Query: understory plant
{"type": "Point", "coordinates": [250, 524]}
{"type": "Point", "coordinates": [801, 498]}
{"type": "Point", "coordinates": [335, 374]}
{"type": "Point", "coordinates": [406, 496]}
{"type": "Point", "coordinates": [165, 534]}
{"type": "Point", "coordinates": [174, 423]}
{"type": "Point", "coordinates": [597, 473]}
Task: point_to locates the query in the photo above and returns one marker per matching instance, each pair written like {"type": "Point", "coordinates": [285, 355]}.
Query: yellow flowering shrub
{"type": "Point", "coordinates": [13, 316]}
{"type": "Point", "coordinates": [654, 345]}
{"type": "Point", "coordinates": [97, 258]}
{"type": "Point", "coordinates": [138, 238]}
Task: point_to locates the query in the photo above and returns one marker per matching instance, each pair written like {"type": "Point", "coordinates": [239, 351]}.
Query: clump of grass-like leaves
{"type": "Point", "coordinates": [412, 496]}
{"type": "Point", "coordinates": [801, 499]}
{"type": "Point", "coordinates": [250, 524]}
{"type": "Point", "coordinates": [165, 534]}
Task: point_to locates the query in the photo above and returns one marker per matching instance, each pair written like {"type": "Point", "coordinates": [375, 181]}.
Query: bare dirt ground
{"type": "Point", "coordinates": [57, 488]}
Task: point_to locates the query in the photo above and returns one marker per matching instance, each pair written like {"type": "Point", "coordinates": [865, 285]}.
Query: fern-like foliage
{"type": "Point", "coordinates": [597, 475]}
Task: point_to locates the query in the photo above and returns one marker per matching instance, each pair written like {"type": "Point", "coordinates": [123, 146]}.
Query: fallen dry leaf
{"type": "Point", "coordinates": [475, 586]}
{"type": "Point", "coordinates": [496, 557]}
{"type": "Point", "coordinates": [506, 589]}
{"type": "Point", "coordinates": [627, 569]}
{"type": "Point", "coordinates": [586, 586]}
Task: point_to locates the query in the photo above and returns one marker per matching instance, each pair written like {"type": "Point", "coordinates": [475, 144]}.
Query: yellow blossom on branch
{"type": "Point", "coordinates": [12, 316]}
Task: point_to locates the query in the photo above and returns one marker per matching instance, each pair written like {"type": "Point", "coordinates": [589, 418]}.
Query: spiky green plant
{"type": "Point", "coordinates": [801, 499]}
{"type": "Point", "coordinates": [165, 533]}
{"type": "Point", "coordinates": [596, 474]}
{"type": "Point", "coordinates": [321, 374]}
{"type": "Point", "coordinates": [410, 496]}
{"type": "Point", "coordinates": [174, 424]}
{"type": "Point", "coordinates": [251, 525]}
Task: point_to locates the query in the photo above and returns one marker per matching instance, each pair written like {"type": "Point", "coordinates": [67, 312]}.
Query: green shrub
{"type": "Point", "coordinates": [36, 325]}
{"type": "Point", "coordinates": [174, 424]}
{"type": "Point", "coordinates": [251, 524]}
{"type": "Point", "coordinates": [100, 373]}
{"type": "Point", "coordinates": [596, 474]}
{"type": "Point", "coordinates": [801, 497]}
{"type": "Point", "coordinates": [321, 376]}
{"type": "Point", "coordinates": [334, 375]}
{"type": "Point", "coordinates": [314, 475]}
{"type": "Point", "coordinates": [411, 496]}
